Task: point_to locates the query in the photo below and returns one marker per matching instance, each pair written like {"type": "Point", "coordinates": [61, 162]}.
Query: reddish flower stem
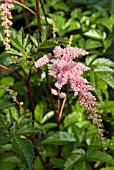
{"type": "Point", "coordinates": [19, 3]}
{"type": "Point", "coordinates": [38, 17]}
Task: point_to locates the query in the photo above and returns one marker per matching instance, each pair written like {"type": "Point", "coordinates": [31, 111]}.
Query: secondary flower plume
{"type": "Point", "coordinates": [66, 70]}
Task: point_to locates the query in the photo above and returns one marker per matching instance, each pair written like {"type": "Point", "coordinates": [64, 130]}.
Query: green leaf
{"type": "Point", "coordinates": [48, 126]}
{"type": "Point", "coordinates": [37, 164]}
{"type": "Point", "coordinates": [47, 116]}
{"type": "Point", "coordinates": [89, 59]}
{"type": "Point", "coordinates": [61, 6]}
{"type": "Point", "coordinates": [95, 155]}
{"type": "Point", "coordinates": [95, 15]}
{"type": "Point", "coordinates": [59, 138]}
{"type": "Point", "coordinates": [4, 139]}
{"type": "Point", "coordinates": [9, 162]}
{"type": "Point", "coordinates": [93, 44]}
{"type": "Point", "coordinates": [24, 150]}
{"type": "Point", "coordinates": [16, 44]}
{"type": "Point", "coordinates": [57, 163]}
{"type": "Point", "coordinates": [27, 130]}
{"type": "Point", "coordinates": [82, 166]}
{"type": "Point", "coordinates": [39, 111]}
{"type": "Point", "coordinates": [72, 118]}
{"type": "Point", "coordinates": [103, 69]}
{"type": "Point", "coordinates": [28, 48]}
{"type": "Point", "coordinates": [107, 78]}
{"type": "Point", "coordinates": [15, 52]}
{"type": "Point", "coordinates": [20, 36]}
{"type": "Point", "coordinates": [47, 44]}
{"type": "Point", "coordinates": [103, 62]}
{"type": "Point", "coordinates": [75, 25]}
{"type": "Point", "coordinates": [34, 40]}
{"type": "Point", "coordinates": [44, 35]}
{"type": "Point", "coordinates": [5, 102]}
{"type": "Point", "coordinates": [76, 13]}
{"type": "Point", "coordinates": [78, 133]}
{"type": "Point", "coordinates": [95, 34]}
{"type": "Point", "coordinates": [22, 121]}
{"type": "Point", "coordinates": [25, 41]}
{"type": "Point", "coordinates": [71, 161]}
{"type": "Point", "coordinates": [105, 22]}
{"type": "Point", "coordinates": [8, 81]}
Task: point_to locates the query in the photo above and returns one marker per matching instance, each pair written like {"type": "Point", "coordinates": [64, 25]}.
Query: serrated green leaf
{"type": "Point", "coordinates": [44, 35]}
{"type": "Point", "coordinates": [71, 161]}
{"type": "Point", "coordinates": [24, 150]}
{"type": "Point", "coordinates": [59, 138]}
{"type": "Point", "coordinates": [107, 78]}
{"type": "Point", "coordinates": [34, 40]}
{"type": "Point", "coordinates": [103, 62]}
{"type": "Point", "coordinates": [89, 59]}
{"type": "Point", "coordinates": [47, 116]}
{"type": "Point", "coordinates": [47, 44]}
{"type": "Point", "coordinates": [15, 52]}
{"type": "Point", "coordinates": [25, 41]}
{"type": "Point", "coordinates": [20, 36]}
{"type": "Point", "coordinates": [103, 69]}
{"type": "Point", "coordinates": [29, 47]}
{"type": "Point", "coordinates": [27, 130]}
{"type": "Point", "coordinates": [95, 155]}
{"type": "Point", "coordinates": [16, 44]}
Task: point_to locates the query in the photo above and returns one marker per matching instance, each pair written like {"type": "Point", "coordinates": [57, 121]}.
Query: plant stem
{"type": "Point", "coordinates": [26, 18]}
{"type": "Point", "coordinates": [50, 94]}
{"type": "Point", "coordinates": [44, 12]}
{"type": "Point", "coordinates": [30, 94]}
{"type": "Point", "coordinates": [19, 3]}
{"type": "Point", "coordinates": [62, 107]}
{"type": "Point", "coordinates": [37, 153]}
{"type": "Point", "coordinates": [11, 69]}
{"type": "Point", "coordinates": [38, 17]}
{"type": "Point", "coordinates": [58, 101]}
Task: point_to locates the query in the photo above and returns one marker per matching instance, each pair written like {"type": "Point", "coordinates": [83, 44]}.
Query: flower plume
{"type": "Point", "coordinates": [65, 70]}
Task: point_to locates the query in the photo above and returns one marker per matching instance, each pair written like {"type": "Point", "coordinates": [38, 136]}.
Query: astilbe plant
{"type": "Point", "coordinates": [66, 70]}
{"type": "Point", "coordinates": [62, 64]}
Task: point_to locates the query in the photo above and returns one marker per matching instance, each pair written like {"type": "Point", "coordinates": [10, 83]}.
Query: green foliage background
{"type": "Point", "coordinates": [25, 146]}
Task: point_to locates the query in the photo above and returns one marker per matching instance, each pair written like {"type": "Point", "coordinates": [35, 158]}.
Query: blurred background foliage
{"type": "Point", "coordinates": [91, 22]}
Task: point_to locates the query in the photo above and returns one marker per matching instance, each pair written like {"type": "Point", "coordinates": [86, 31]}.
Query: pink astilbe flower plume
{"type": "Point", "coordinates": [65, 70]}
{"type": "Point", "coordinates": [43, 60]}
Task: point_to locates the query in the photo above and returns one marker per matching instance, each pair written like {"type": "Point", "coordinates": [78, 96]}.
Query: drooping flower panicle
{"type": "Point", "coordinates": [65, 70]}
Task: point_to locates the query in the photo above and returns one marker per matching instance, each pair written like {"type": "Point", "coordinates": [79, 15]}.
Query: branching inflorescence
{"type": "Point", "coordinates": [65, 70]}
{"type": "Point", "coordinates": [6, 22]}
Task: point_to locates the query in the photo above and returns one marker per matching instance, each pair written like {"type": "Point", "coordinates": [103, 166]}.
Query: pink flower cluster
{"type": "Point", "coordinates": [65, 70]}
